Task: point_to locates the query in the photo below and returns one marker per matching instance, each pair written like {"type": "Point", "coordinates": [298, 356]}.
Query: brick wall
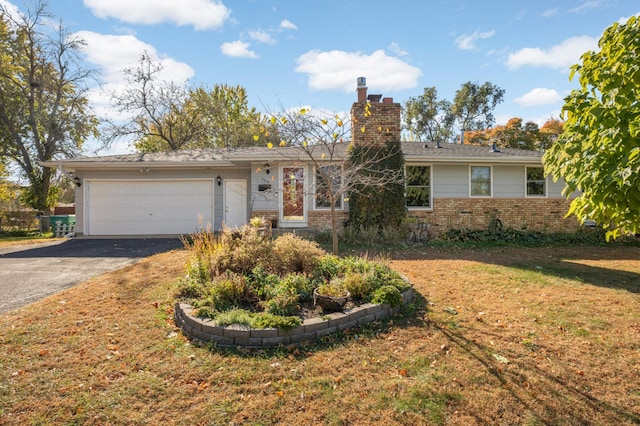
{"type": "Point", "coordinates": [382, 125]}
{"type": "Point", "coordinates": [531, 214]}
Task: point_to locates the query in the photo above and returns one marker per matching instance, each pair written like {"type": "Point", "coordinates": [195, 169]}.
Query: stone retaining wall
{"type": "Point", "coordinates": [311, 329]}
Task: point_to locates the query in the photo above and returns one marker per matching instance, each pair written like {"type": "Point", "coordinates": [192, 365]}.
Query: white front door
{"type": "Point", "coordinates": [235, 202]}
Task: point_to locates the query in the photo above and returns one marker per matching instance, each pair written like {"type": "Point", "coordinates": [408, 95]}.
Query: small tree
{"type": "Point", "coordinates": [321, 139]}
{"type": "Point", "coordinates": [598, 153]}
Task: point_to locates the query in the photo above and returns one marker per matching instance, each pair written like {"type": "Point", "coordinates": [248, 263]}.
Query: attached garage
{"type": "Point", "coordinates": [147, 207]}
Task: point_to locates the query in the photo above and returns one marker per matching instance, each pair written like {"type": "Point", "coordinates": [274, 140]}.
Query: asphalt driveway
{"type": "Point", "coordinates": [31, 273]}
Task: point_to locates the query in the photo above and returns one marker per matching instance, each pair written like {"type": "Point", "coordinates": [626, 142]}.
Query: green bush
{"type": "Point", "coordinates": [359, 285]}
{"type": "Point", "coordinates": [241, 269]}
{"type": "Point", "coordinates": [262, 282]}
{"type": "Point", "coordinates": [267, 320]}
{"type": "Point", "coordinates": [326, 267]}
{"type": "Point", "coordinates": [190, 288]}
{"type": "Point", "coordinates": [387, 294]}
{"type": "Point", "coordinates": [234, 316]}
{"type": "Point", "coordinates": [227, 290]}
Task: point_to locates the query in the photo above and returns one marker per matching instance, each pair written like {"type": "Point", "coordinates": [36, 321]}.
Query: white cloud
{"type": "Point", "coordinates": [237, 49]}
{"type": "Point", "coordinates": [201, 14]}
{"type": "Point", "coordinates": [11, 9]}
{"type": "Point", "coordinates": [539, 96]}
{"type": "Point", "coordinates": [338, 70]}
{"type": "Point", "coordinates": [561, 56]}
{"type": "Point", "coordinates": [624, 20]}
{"type": "Point", "coordinates": [262, 37]}
{"type": "Point", "coordinates": [550, 12]}
{"type": "Point", "coordinates": [587, 5]}
{"type": "Point", "coordinates": [397, 50]}
{"type": "Point", "coordinates": [288, 25]}
{"type": "Point", "coordinates": [468, 41]}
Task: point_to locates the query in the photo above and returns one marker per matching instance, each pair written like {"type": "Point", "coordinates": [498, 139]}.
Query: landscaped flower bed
{"type": "Point", "coordinates": [242, 280]}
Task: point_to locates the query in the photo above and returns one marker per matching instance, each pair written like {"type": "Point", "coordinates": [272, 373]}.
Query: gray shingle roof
{"type": "Point", "coordinates": [413, 151]}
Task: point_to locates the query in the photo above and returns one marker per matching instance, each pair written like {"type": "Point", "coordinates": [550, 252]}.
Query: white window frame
{"type": "Point", "coordinates": [526, 182]}
{"type": "Point", "coordinates": [430, 207]}
{"type": "Point", "coordinates": [471, 166]}
{"type": "Point", "coordinates": [315, 188]}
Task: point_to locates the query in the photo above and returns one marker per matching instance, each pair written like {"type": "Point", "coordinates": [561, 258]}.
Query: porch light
{"type": "Point", "coordinates": [77, 181]}
{"type": "Point", "coordinates": [219, 180]}
{"type": "Point", "coordinates": [267, 168]}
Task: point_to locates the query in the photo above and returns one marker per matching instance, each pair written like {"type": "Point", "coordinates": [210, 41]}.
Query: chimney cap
{"type": "Point", "coordinates": [374, 98]}
{"type": "Point", "coordinates": [362, 82]}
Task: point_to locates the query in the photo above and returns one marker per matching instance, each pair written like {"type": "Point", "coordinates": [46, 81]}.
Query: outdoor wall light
{"type": "Point", "coordinates": [77, 181]}
{"type": "Point", "coordinates": [267, 168]}
{"type": "Point", "coordinates": [219, 180]}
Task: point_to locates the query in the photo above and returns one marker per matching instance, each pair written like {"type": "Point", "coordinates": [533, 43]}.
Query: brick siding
{"type": "Point", "coordinates": [531, 214]}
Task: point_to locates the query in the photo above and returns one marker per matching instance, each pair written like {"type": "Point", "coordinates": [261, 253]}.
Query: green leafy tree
{"type": "Point", "coordinates": [226, 114]}
{"type": "Point", "coordinates": [473, 105]}
{"type": "Point", "coordinates": [44, 112]}
{"type": "Point", "coordinates": [428, 118]}
{"type": "Point", "coordinates": [598, 153]}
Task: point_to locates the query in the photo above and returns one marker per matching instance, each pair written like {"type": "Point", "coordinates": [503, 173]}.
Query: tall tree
{"type": "Point", "coordinates": [473, 105]}
{"type": "Point", "coordinates": [550, 132]}
{"type": "Point", "coordinates": [598, 153]}
{"type": "Point", "coordinates": [229, 120]}
{"type": "Point", "coordinates": [428, 118]}
{"type": "Point", "coordinates": [44, 112]}
{"type": "Point", "coordinates": [160, 117]}
{"type": "Point", "coordinates": [167, 116]}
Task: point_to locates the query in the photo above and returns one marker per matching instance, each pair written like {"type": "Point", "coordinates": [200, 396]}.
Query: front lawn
{"type": "Point", "coordinates": [501, 336]}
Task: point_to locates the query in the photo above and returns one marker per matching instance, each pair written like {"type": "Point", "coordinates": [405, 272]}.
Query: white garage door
{"type": "Point", "coordinates": [134, 207]}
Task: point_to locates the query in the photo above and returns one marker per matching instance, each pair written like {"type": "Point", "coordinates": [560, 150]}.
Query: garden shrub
{"type": "Point", "coordinates": [283, 302]}
{"type": "Point", "coordinates": [241, 277]}
{"type": "Point", "coordinates": [291, 253]}
{"type": "Point", "coordinates": [262, 282]}
{"type": "Point", "coordinates": [267, 320]}
{"type": "Point", "coordinates": [239, 251]}
{"type": "Point", "coordinates": [227, 290]}
{"type": "Point", "coordinates": [387, 294]}
{"type": "Point", "coordinates": [359, 285]}
{"type": "Point", "coordinates": [190, 288]}
{"type": "Point", "coordinates": [326, 267]}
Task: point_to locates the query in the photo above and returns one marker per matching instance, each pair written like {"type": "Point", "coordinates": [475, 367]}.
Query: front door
{"type": "Point", "coordinates": [293, 210]}
{"type": "Point", "coordinates": [235, 202]}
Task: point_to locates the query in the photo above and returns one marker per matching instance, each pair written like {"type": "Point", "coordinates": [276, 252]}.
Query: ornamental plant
{"type": "Point", "coordinates": [274, 288]}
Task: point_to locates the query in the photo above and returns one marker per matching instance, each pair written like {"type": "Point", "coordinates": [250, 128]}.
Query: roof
{"type": "Point", "coordinates": [231, 157]}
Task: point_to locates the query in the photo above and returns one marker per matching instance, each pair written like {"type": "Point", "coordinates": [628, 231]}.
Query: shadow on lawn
{"type": "Point", "coordinates": [537, 390]}
{"type": "Point", "coordinates": [561, 262]}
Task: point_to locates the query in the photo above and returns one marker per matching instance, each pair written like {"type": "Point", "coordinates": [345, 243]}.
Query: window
{"type": "Point", "coordinates": [536, 182]}
{"type": "Point", "coordinates": [480, 181]}
{"type": "Point", "coordinates": [333, 173]}
{"type": "Point", "coordinates": [418, 181]}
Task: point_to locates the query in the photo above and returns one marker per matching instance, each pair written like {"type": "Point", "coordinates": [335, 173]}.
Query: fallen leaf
{"type": "Point", "coordinates": [501, 359]}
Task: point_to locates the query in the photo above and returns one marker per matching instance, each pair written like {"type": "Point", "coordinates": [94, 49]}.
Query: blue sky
{"type": "Point", "coordinates": [309, 53]}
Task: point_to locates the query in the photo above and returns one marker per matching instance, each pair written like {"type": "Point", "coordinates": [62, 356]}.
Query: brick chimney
{"type": "Point", "coordinates": [383, 121]}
